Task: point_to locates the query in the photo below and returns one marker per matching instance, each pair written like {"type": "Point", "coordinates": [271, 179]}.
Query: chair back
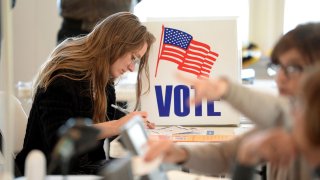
{"type": "Point", "coordinates": [20, 121]}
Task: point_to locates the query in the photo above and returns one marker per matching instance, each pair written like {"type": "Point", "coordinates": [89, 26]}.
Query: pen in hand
{"type": "Point", "coordinates": [123, 110]}
{"type": "Point", "coordinates": [120, 109]}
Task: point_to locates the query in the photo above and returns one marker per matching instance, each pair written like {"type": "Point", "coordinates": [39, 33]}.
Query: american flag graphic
{"type": "Point", "coordinates": [191, 56]}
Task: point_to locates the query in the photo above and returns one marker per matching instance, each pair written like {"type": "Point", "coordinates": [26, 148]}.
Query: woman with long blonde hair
{"type": "Point", "coordinates": [78, 81]}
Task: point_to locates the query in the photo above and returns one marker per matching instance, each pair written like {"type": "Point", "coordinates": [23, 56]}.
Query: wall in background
{"type": "Point", "coordinates": [300, 11]}
{"type": "Point", "coordinates": [266, 22]}
{"type": "Point", "coordinates": [35, 25]}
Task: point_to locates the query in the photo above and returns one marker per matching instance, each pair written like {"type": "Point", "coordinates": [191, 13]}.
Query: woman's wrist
{"type": "Point", "coordinates": [224, 84]}
{"type": "Point", "coordinates": [108, 129]}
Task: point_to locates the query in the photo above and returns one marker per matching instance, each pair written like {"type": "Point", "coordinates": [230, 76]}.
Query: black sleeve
{"type": "Point", "coordinates": [55, 108]}
{"type": "Point", "coordinates": [112, 113]}
{"type": "Point", "coordinates": [242, 172]}
{"type": "Point", "coordinates": [13, 3]}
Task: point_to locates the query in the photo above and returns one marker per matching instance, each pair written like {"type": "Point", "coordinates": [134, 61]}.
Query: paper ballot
{"type": "Point", "coordinates": [171, 130]}
{"type": "Point", "coordinates": [174, 174]}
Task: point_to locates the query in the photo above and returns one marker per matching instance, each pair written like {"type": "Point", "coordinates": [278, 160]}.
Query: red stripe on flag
{"type": "Point", "coordinates": [206, 66]}
{"type": "Point", "coordinates": [203, 76]}
{"type": "Point", "coordinates": [210, 57]}
{"type": "Point", "coordinates": [173, 54]}
{"type": "Point", "coordinates": [194, 58]}
{"type": "Point", "coordinates": [187, 66]}
{"type": "Point", "coordinates": [170, 48]}
{"type": "Point", "coordinates": [191, 70]}
{"type": "Point", "coordinates": [197, 48]}
{"type": "Point", "coordinates": [196, 54]}
{"type": "Point", "coordinates": [208, 63]}
{"type": "Point", "coordinates": [214, 54]}
{"type": "Point", "coordinates": [193, 62]}
{"type": "Point", "coordinates": [169, 58]}
{"type": "Point", "coordinates": [200, 44]}
{"type": "Point", "coordinates": [205, 71]}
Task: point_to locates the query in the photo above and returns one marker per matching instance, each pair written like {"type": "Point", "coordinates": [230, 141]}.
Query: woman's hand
{"type": "Point", "coordinates": [144, 116]}
{"type": "Point", "coordinates": [275, 146]}
{"type": "Point", "coordinates": [112, 128]}
{"type": "Point", "coordinates": [211, 89]}
{"type": "Point", "coordinates": [166, 148]}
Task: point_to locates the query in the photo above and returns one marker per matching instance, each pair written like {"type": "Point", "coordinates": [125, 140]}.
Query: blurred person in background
{"type": "Point", "coordinates": [80, 16]}
{"type": "Point", "coordinates": [304, 135]}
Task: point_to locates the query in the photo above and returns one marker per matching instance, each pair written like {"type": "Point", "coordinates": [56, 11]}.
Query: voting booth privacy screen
{"type": "Point", "coordinates": [195, 48]}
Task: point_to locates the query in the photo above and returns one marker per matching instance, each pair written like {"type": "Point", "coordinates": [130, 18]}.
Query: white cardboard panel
{"type": "Point", "coordinates": [166, 105]}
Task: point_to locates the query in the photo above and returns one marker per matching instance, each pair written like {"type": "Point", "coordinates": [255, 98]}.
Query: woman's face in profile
{"type": "Point", "coordinates": [287, 80]}
{"type": "Point", "coordinates": [127, 62]}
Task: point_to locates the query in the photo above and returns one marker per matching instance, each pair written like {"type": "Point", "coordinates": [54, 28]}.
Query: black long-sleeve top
{"type": "Point", "coordinates": [63, 99]}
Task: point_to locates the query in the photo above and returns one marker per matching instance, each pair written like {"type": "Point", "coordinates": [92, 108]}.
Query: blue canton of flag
{"type": "Point", "coordinates": [177, 38]}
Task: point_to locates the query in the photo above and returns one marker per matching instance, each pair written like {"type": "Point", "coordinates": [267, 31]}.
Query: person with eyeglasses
{"type": "Point", "coordinates": [296, 50]}
{"type": "Point", "coordinates": [77, 80]}
{"type": "Point", "coordinates": [305, 133]}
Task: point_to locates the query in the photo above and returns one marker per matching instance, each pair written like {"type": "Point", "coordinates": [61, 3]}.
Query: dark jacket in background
{"type": "Point", "coordinates": [91, 12]}
{"type": "Point", "coordinates": [80, 16]}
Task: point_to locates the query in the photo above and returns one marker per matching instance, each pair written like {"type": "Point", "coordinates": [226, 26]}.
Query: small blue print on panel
{"type": "Point", "coordinates": [210, 133]}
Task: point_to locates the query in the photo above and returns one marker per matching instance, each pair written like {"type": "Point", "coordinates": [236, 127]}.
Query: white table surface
{"type": "Point", "coordinates": [117, 151]}
{"type": "Point", "coordinates": [70, 177]}
{"type": "Point", "coordinates": [172, 175]}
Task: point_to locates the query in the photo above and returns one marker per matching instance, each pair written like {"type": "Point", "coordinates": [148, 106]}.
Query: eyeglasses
{"type": "Point", "coordinates": [135, 60]}
{"type": "Point", "coordinates": [289, 70]}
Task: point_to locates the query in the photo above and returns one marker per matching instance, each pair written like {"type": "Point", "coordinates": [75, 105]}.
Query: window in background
{"type": "Point", "coordinates": [197, 8]}
{"type": "Point", "coordinates": [300, 11]}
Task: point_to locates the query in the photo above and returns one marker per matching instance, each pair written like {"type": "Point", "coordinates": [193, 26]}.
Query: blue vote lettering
{"type": "Point", "coordinates": [163, 104]}
{"type": "Point", "coordinates": [181, 94]}
{"type": "Point", "coordinates": [181, 108]}
{"type": "Point", "coordinates": [198, 108]}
